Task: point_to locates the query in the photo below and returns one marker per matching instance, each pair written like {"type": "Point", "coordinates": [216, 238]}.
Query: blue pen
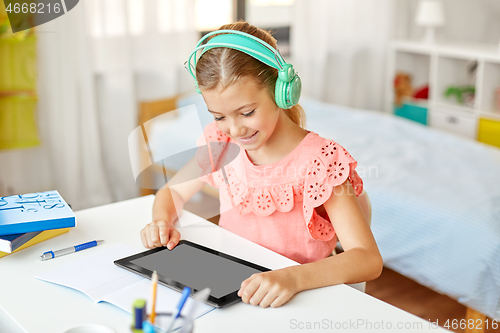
{"type": "Point", "coordinates": [185, 294]}
{"type": "Point", "coordinates": [53, 254]}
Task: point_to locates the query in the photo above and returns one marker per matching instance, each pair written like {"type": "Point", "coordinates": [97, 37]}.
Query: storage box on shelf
{"type": "Point", "coordinates": [464, 69]}
{"type": "Point", "coordinates": [414, 110]}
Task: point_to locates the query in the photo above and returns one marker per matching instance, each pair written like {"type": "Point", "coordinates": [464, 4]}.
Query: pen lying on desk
{"type": "Point", "coordinates": [53, 254]}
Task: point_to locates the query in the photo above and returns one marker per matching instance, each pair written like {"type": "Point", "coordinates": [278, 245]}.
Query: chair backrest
{"type": "Point", "coordinates": [147, 111]}
{"type": "Point", "coordinates": [151, 109]}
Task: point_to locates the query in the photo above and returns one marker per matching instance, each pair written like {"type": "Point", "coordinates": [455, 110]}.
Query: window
{"type": "Point", "coordinates": [211, 14]}
{"type": "Point", "coordinates": [274, 15]}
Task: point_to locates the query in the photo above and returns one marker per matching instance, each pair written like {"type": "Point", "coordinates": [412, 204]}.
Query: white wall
{"type": "Point", "coordinates": [470, 21]}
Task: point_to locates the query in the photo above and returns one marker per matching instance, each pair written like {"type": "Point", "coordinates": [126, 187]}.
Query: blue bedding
{"type": "Point", "coordinates": [435, 198]}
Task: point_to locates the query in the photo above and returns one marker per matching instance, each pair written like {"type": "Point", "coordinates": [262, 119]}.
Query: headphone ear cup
{"type": "Point", "coordinates": [295, 90]}
{"type": "Point", "coordinates": [287, 94]}
{"type": "Point", "coordinates": [280, 94]}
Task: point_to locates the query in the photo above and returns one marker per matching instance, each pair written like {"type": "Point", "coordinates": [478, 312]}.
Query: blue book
{"type": "Point", "coordinates": [34, 212]}
{"type": "Point", "coordinates": [9, 243]}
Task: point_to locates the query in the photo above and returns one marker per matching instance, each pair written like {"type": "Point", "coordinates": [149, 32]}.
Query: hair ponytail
{"type": "Point", "coordinates": [297, 115]}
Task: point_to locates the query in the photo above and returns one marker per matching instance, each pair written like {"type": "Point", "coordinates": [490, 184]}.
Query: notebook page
{"type": "Point", "coordinates": [98, 277]}
{"type": "Point", "coordinates": [95, 275]}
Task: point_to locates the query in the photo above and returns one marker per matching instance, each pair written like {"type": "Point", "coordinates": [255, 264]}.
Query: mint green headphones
{"type": "Point", "coordinates": [288, 85]}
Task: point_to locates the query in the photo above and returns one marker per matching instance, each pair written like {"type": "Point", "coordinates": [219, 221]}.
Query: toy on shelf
{"type": "Point", "coordinates": [403, 89]}
{"type": "Point", "coordinates": [465, 95]}
{"type": "Point", "coordinates": [422, 93]}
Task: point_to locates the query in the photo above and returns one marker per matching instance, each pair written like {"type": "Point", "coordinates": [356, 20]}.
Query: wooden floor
{"type": "Point", "coordinates": [406, 294]}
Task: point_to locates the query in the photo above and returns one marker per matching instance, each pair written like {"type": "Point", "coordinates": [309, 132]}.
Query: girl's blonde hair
{"type": "Point", "coordinates": [225, 66]}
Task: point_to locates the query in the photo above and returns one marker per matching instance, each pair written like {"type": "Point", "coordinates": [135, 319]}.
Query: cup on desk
{"type": "Point", "coordinates": [163, 319]}
{"type": "Point", "coordinates": [91, 328]}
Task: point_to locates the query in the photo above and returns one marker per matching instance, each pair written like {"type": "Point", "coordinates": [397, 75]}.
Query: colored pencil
{"type": "Point", "coordinates": [154, 283]}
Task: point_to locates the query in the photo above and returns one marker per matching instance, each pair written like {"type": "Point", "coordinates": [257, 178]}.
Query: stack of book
{"type": "Point", "coordinates": [28, 219]}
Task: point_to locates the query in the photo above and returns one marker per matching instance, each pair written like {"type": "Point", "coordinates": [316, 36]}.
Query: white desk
{"type": "Point", "coordinates": [41, 307]}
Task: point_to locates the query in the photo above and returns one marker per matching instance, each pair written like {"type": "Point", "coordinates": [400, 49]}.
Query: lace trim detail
{"type": "Point", "coordinates": [332, 167]}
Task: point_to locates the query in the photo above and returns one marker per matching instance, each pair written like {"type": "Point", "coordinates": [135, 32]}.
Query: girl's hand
{"type": "Point", "coordinates": [160, 233]}
{"type": "Point", "coordinates": [273, 288]}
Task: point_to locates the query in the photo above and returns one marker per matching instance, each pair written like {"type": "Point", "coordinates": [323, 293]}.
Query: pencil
{"type": "Point", "coordinates": [154, 283]}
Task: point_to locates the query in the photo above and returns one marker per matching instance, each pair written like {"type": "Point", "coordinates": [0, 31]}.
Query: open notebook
{"type": "Point", "coordinates": [97, 276]}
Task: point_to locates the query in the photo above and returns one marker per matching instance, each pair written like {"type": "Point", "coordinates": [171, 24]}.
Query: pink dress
{"type": "Point", "coordinates": [273, 205]}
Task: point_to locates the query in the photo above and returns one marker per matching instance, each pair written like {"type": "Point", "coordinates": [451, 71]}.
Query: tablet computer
{"type": "Point", "coordinates": [195, 266]}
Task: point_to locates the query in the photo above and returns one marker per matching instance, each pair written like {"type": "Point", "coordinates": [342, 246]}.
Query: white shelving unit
{"type": "Point", "coordinates": [442, 65]}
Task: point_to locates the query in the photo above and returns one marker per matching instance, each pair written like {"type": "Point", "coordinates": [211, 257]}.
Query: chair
{"type": "Point", "coordinates": [366, 207]}
{"type": "Point", "coordinates": [147, 111]}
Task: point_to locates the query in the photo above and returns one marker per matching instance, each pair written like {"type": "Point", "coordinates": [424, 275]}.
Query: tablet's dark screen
{"type": "Point", "coordinates": [198, 269]}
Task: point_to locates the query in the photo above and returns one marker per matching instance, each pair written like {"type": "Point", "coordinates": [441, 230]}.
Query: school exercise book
{"type": "Point", "coordinates": [31, 212]}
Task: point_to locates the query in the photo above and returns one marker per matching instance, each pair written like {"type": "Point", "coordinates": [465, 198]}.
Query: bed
{"type": "Point", "coordinates": [435, 196]}
{"type": "Point", "coordinates": [435, 199]}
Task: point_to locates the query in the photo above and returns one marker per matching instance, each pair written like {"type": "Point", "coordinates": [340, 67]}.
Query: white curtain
{"type": "Point", "coordinates": [95, 64]}
{"type": "Point", "coordinates": [339, 49]}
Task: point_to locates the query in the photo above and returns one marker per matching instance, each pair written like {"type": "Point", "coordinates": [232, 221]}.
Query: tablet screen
{"type": "Point", "coordinates": [195, 266]}
{"type": "Point", "coordinates": [198, 269]}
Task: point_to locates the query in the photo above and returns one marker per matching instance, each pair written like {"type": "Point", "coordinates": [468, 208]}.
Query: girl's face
{"type": "Point", "coordinates": [244, 111]}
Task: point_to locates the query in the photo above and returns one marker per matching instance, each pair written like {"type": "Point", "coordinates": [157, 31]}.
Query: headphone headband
{"type": "Point", "coordinates": [237, 40]}
{"type": "Point", "coordinates": [288, 86]}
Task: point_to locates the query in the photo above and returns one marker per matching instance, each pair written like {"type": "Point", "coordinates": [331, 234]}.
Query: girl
{"type": "Point", "coordinates": [288, 190]}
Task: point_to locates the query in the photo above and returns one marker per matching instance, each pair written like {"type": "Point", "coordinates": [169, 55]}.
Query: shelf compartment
{"type": "Point", "coordinates": [490, 95]}
{"type": "Point", "coordinates": [453, 72]}
{"type": "Point", "coordinates": [417, 65]}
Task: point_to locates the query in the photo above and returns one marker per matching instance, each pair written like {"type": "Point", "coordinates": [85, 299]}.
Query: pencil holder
{"type": "Point", "coordinates": [163, 319]}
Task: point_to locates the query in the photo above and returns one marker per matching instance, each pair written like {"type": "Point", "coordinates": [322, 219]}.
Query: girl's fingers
{"type": "Point", "coordinates": [175, 236]}
{"type": "Point", "coordinates": [159, 233]}
{"type": "Point", "coordinates": [249, 290]}
{"type": "Point", "coordinates": [268, 299]}
{"type": "Point", "coordinates": [155, 235]}
{"type": "Point", "coordinates": [164, 233]}
{"type": "Point", "coordinates": [280, 300]}
{"type": "Point", "coordinates": [144, 239]}
{"type": "Point", "coordinates": [258, 296]}
{"type": "Point", "coordinates": [149, 232]}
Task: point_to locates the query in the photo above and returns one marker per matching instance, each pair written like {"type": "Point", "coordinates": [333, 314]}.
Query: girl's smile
{"type": "Point", "coordinates": [248, 139]}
